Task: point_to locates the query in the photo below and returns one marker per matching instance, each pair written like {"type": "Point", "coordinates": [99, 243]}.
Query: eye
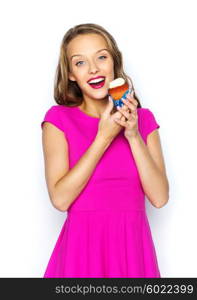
{"type": "Point", "coordinates": [103, 56]}
{"type": "Point", "coordinates": [78, 63]}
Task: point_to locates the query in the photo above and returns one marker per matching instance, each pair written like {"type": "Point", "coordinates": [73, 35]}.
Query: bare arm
{"type": "Point", "coordinates": [70, 185]}
{"type": "Point", "coordinates": [65, 184]}
{"type": "Point", "coordinates": [151, 167]}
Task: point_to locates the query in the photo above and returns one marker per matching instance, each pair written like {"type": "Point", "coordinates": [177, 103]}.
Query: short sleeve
{"type": "Point", "coordinates": [148, 123]}
{"type": "Point", "coordinates": [53, 116]}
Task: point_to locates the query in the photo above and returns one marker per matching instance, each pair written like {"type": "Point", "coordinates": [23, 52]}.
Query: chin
{"type": "Point", "coordinates": [100, 95]}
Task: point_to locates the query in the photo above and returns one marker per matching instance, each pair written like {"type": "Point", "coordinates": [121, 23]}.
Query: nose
{"type": "Point", "coordinates": [93, 68]}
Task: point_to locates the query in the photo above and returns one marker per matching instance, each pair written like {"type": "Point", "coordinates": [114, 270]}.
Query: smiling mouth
{"type": "Point", "coordinates": [98, 85]}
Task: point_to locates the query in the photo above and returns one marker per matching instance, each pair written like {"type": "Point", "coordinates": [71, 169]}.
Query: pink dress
{"type": "Point", "coordinates": [106, 232]}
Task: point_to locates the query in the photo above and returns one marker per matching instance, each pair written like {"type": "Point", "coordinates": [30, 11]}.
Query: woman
{"type": "Point", "coordinates": [100, 163]}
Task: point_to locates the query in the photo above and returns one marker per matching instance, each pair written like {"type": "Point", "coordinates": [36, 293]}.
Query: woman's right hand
{"type": "Point", "coordinates": [108, 128]}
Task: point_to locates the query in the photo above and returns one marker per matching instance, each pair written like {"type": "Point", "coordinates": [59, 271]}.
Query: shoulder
{"type": "Point", "coordinates": [145, 114]}
{"type": "Point", "coordinates": [55, 111]}
{"type": "Point", "coordinates": [147, 122]}
{"type": "Point", "coordinates": [142, 111]}
{"type": "Point", "coordinates": [59, 115]}
{"type": "Point", "coordinates": [53, 116]}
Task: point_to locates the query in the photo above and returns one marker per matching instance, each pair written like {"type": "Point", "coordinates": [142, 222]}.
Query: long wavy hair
{"type": "Point", "coordinates": [66, 91]}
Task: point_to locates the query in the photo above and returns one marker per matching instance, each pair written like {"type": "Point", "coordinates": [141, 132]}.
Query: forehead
{"type": "Point", "coordinates": [86, 44]}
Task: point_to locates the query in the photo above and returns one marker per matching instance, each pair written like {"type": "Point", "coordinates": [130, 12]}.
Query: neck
{"type": "Point", "coordinates": [95, 107]}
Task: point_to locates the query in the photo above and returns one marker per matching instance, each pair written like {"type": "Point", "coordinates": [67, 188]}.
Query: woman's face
{"type": "Point", "coordinates": [87, 60]}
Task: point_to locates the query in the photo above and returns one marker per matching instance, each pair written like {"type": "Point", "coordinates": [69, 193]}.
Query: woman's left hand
{"type": "Point", "coordinates": [129, 110]}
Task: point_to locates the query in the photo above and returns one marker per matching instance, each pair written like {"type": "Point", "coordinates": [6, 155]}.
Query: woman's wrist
{"type": "Point", "coordinates": [103, 140]}
{"type": "Point", "coordinates": [134, 136]}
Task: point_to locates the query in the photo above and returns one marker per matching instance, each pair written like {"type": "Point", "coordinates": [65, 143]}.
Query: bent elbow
{"type": "Point", "coordinates": [61, 208]}
{"type": "Point", "coordinates": [59, 205]}
{"type": "Point", "coordinates": [161, 204]}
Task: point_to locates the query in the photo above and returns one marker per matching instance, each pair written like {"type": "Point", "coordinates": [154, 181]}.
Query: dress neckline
{"type": "Point", "coordinates": [86, 115]}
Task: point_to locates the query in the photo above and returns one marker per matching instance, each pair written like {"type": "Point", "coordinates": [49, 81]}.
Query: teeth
{"type": "Point", "coordinates": [96, 80]}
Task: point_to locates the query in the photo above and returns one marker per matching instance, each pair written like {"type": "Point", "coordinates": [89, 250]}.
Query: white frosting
{"type": "Point", "coordinates": [116, 82]}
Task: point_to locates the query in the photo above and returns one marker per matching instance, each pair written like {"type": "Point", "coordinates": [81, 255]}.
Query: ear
{"type": "Point", "coordinates": [71, 77]}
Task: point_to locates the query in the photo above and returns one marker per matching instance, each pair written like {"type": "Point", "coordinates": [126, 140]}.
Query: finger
{"type": "Point", "coordinates": [125, 108]}
{"type": "Point", "coordinates": [121, 122]}
{"type": "Point", "coordinates": [130, 97]}
{"type": "Point", "coordinates": [132, 100]}
{"type": "Point", "coordinates": [110, 106]}
{"type": "Point", "coordinates": [132, 106]}
{"type": "Point", "coordinates": [124, 112]}
{"type": "Point", "coordinates": [131, 112]}
{"type": "Point", "coordinates": [119, 115]}
{"type": "Point", "coordinates": [129, 117]}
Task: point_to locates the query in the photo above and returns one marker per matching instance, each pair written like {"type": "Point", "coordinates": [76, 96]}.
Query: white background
{"type": "Point", "coordinates": [158, 43]}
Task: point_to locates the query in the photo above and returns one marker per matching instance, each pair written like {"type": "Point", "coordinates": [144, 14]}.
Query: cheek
{"type": "Point", "coordinates": [80, 74]}
{"type": "Point", "coordinates": [110, 65]}
{"type": "Point", "coordinates": [109, 69]}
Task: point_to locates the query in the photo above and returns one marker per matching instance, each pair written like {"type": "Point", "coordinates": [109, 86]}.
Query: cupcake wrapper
{"type": "Point", "coordinates": [119, 101]}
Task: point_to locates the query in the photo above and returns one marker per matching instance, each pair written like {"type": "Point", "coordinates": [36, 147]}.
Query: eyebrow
{"type": "Point", "coordinates": [81, 54]}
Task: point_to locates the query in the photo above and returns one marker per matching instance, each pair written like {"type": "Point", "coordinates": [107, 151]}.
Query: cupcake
{"type": "Point", "coordinates": [118, 89]}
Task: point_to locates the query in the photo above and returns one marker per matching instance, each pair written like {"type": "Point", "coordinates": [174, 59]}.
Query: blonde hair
{"type": "Point", "coordinates": [67, 92]}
